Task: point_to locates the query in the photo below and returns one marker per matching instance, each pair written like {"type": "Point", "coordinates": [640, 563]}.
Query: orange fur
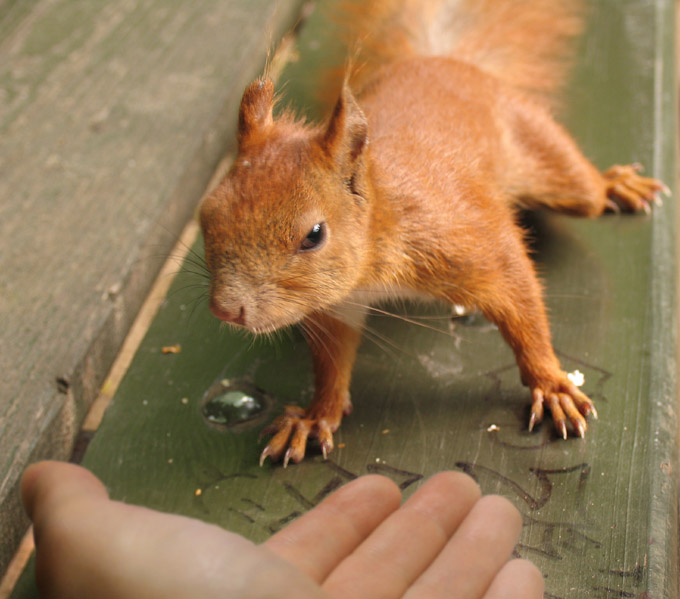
{"type": "Point", "coordinates": [409, 188]}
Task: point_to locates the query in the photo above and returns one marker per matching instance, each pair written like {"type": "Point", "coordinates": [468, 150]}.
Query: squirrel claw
{"type": "Point", "coordinates": [290, 433]}
{"type": "Point", "coordinates": [325, 436]}
{"type": "Point", "coordinates": [592, 411]}
{"type": "Point", "coordinates": [565, 402]}
{"type": "Point", "coordinates": [580, 428]}
{"type": "Point", "coordinates": [286, 457]}
{"type": "Point", "coordinates": [536, 408]}
{"type": "Point", "coordinates": [266, 452]}
{"type": "Point", "coordinates": [612, 206]}
{"type": "Point", "coordinates": [630, 190]}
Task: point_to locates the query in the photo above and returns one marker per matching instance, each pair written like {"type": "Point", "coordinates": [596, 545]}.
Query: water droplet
{"type": "Point", "coordinates": [233, 405]}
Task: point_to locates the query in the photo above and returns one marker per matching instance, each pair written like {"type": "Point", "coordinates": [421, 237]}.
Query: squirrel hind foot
{"type": "Point", "coordinates": [627, 189]}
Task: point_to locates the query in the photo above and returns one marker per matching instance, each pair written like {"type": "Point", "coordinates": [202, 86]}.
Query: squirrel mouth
{"type": "Point", "coordinates": [243, 317]}
{"type": "Point", "coordinates": [265, 330]}
{"type": "Point", "coordinates": [264, 327]}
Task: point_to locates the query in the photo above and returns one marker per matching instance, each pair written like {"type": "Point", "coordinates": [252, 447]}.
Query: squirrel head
{"type": "Point", "coordinates": [287, 231]}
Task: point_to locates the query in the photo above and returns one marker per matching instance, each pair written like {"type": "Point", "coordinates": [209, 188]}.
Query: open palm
{"type": "Point", "coordinates": [445, 541]}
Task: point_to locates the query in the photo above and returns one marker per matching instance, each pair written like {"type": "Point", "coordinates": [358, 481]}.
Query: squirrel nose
{"type": "Point", "coordinates": [228, 316]}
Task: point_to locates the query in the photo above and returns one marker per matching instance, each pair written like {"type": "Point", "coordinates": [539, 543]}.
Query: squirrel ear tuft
{"type": "Point", "coordinates": [256, 108]}
{"type": "Point", "coordinates": [347, 132]}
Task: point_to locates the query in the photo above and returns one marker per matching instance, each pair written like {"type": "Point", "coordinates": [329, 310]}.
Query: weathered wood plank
{"type": "Point", "coordinates": [113, 116]}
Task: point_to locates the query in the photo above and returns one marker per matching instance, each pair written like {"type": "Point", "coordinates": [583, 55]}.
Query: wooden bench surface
{"type": "Point", "coordinates": [600, 514]}
{"type": "Point", "coordinates": [113, 116]}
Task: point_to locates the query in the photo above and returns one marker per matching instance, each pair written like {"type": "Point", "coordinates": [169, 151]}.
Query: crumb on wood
{"type": "Point", "coordinates": [171, 349]}
{"type": "Point", "coordinates": [577, 377]}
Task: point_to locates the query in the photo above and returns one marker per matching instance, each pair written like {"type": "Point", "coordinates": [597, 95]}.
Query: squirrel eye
{"type": "Point", "coordinates": [315, 238]}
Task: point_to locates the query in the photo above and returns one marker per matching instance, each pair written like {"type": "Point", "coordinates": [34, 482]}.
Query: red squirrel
{"type": "Point", "coordinates": [441, 129]}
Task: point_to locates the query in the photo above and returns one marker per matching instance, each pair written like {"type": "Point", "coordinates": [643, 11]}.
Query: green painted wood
{"type": "Point", "coordinates": [600, 515]}
{"type": "Point", "coordinates": [113, 116]}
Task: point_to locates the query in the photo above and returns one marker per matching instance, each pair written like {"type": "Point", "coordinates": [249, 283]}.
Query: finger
{"type": "Point", "coordinates": [45, 484]}
{"type": "Point", "coordinates": [387, 562]}
{"type": "Point", "coordinates": [475, 553]}
{"type": "Point", "coordinates": [518, 578]}
{"type": "Point", "coordinates": [318, 541]}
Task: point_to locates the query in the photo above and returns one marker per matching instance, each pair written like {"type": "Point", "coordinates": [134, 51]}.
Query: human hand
{"type": "Point", "coordinates": [444, 541]}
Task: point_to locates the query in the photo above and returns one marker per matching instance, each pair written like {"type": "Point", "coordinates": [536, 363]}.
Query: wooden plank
{"type": "Point", "coordinates": [600, 514]}
{"type": "Point", "coordinates": [113, 116]}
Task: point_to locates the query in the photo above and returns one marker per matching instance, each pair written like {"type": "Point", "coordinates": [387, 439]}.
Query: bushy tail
{"type": "Point", "coordinates": [526, 43]}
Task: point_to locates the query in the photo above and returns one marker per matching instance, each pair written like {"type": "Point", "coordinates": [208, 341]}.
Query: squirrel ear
{"type": "Point", "coordinates": [256, 108]}
{"type": "Point", "coordinates": [347, 132]}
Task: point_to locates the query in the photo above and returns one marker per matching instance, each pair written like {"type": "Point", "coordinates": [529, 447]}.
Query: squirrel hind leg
{"type": "Point", "coordinates": [549, 170]}
{"type": "Point", "coordinates": [586, 192]}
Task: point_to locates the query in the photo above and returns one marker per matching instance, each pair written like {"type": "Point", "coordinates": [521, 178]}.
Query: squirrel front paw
{"type": "Point", "coordinates": [631, 191]}
{"type": "Point", "coordinates": [565, 402]}
{"type": "Point", "coordinates": [291, 431]}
